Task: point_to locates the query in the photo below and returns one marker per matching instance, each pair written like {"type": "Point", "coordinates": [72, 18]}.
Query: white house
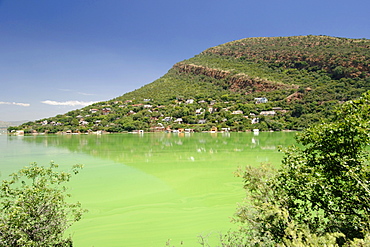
{"type": "Point", "coordinates": [267, 113]}
{"type": "Point", "coordinates": [255, 120]}
{"type": "Point", "coordinates": [179, 120]}
{"type": "Point", "coordinates": [237, 112]}
{"type": "Point", "coordinates": [83, 122]}
{"type": "Point", "coordinates": [260, 100]}
{"type": "Point", "coordinates": [199, 111]}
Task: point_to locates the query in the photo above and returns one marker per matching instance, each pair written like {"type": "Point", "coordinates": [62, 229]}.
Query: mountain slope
{"type": "Point", "coordinates": [302, 77]}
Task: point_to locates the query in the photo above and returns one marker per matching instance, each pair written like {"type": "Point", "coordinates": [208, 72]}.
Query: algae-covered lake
{"type": "Point", "coordinates": [142, 190]}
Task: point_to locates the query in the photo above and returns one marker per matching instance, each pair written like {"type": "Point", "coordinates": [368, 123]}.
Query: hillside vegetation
{"type": "Point", "coordinates": [302, 78]}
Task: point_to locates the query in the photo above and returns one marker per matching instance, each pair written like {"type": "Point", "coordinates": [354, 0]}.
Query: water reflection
{"type": "Point", "coordinates": [155, 147]}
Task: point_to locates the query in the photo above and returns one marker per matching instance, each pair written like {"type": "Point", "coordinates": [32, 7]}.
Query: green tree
{"type": "Point", "coordinates": [321, 193]}
{"type": "Point", "coordinates": [34, 209]}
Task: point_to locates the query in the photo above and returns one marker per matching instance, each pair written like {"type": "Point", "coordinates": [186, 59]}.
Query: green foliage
{"type": "Point", "coordinates": [34, 209]}
{"type": "Point", "coordinates": [320, 196]}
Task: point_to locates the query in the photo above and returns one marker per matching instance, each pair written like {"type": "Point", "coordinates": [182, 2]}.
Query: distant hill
{"type": "Point", "coordinates": [255, 83]}
{"type": "Point", "coordinates": [4, 124]}
{"type": "Point", "coordinates": [11, 123]}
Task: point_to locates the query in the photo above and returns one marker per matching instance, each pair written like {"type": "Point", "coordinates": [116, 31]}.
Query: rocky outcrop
{"type": "Point", "coordinates": [201, 70]}
{"type": "Point", "coordinates": [235, 82]}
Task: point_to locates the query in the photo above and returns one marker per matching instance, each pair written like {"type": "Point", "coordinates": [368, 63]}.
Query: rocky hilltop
{"type": "Point", "coordinates": [255, 83]}
{"type": "Point", "coordinates": [337, 57]}
{"type": "Point", "coordinates": [235, 82]}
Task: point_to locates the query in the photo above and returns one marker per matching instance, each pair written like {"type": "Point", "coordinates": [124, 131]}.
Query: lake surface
{"type": "Point", "coordinates": [142, 190]}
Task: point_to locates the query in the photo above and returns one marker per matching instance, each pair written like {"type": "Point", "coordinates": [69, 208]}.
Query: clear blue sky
{"type": "Point", "coordinates": [56, 56]}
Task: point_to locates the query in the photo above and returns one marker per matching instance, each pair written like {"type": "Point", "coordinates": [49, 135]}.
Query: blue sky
{"type": "Point", "coordinates": [56, 56]}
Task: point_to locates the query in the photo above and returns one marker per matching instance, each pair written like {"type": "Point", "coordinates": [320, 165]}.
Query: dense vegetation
{"type": "Point", "coordinates": [34, 207]}
{"type": "Point", "coordinates": [320, 195]}
{"type": "Point", "coordinates": [303, 78]}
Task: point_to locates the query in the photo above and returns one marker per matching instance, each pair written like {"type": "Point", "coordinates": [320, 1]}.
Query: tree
{"type": "Point", "coordinates": [34, 209]}
{"type": "Point", "coordinates": [321, 193]}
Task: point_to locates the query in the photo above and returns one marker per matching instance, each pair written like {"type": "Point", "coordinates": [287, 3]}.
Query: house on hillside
{"type": "Point", "coordinates": [267, 113]}
{"type": "Point", "coordinates": [260, 100]}
{"type": "Point", "coordinates": [237, 112]}
{"type": "Point", "coordinates": [167, 119]}
{"type": "Point", "coordinates": [279, 109]}
{"type": "Point", "coordinates": [55, 123]}
{"type": "Point", "coordinates": [199, 111]}
{"type": "Point", "coordinates": [179, 120]}
{"type": "Point", "coordinates": [106, 110]}
{"type": "Point", "coordinates": [83, 122]}
{"type": "Point", "coordinates": [255, 120]}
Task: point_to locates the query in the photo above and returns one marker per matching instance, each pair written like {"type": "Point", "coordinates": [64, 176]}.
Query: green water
{"type": "Point", "coordinates": [142, 190]}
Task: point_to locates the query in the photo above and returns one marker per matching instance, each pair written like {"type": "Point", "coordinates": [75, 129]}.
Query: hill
{"type": "Point", "coordinates": [255, 83]}
{"type": "Point", "coordinates": [4, 124]}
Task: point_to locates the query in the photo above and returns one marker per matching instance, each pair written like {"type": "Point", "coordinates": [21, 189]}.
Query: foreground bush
{"type": "Point", "coordinates": [320, 196]}
{"type": "Point", "coordinates": [34, 210]}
